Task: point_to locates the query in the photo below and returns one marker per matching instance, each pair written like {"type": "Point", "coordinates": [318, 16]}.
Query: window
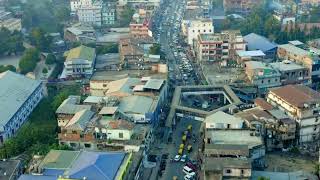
{"type": "Point", "coordinates": [242, 171]}
{"type": "Point", "coordinates": [121, 135]}
{"type": "Point", "coordinates": [87, 145]}
{"type": "Point", "coordinates": [262, 81]}
{"type": "Point", "coordinates": [210, 30]}
{"type": "Point", "coordinates": [104, 85]}
{"type": "Point", "coordinates": [198, 30]}
{"type": "Point", "coordinates": [204, 30]}
{"type": "Point", "coordinates": [228, 171]}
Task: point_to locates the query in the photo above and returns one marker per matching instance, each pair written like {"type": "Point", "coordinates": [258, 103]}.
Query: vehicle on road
{"type": "Point", "coordinates": [177, 158]}
{"type": "Point", "coordinates": [189, 177]}
{"type": "Point", "coordinates": [184, 158]}
{"type": "Point", "coordinates": [188, 171]}
{"type": "Point", "coordinates": [192, 166]}
{"type": "Point", "coordinates": [189, 148]}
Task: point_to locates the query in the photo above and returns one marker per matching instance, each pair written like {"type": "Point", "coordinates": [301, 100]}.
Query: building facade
{"type": "Point", "coordinates": [90, 14]}
{"type": "Point", "coordinates": [193, 28]}
{"type": "Point", "coordinates": [240, 6]}
{"type": "Point", "coordinates": [108, 14]}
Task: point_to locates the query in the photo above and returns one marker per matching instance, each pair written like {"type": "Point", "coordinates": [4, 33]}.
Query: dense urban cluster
{"type": "Point", "coordinates": [159, 89]}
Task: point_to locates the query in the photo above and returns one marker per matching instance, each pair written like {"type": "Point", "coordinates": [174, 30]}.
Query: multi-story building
{"type": "Point", "coordinates": [108, 14]}
{"type": "Point", "coordinates": [76, 4]}
{"type": "Point", "coordinates": [192, 28]}
{"type": "Point", "coordinates": [262, 75]}
{"type": "Point", "coordinates": [303, 56]}
{"type": "Point", "coordinates": [80, 32]}
{"type": "Point", "coordinates": [219, 46]}
{"type": "Point", "coordinates": [311, 2]}
{"type": "Point", "coordinates": [300, 103]}
{"type": "Point", "coordinates": [140, 27]}
{"type": "Point", "coordinates": [240, 6]}
{"type": "Point", "coordinates": [90, 14]}
{"type": "Point", "coordinates": [19, 95]}
{"type": "Point", "coordinates": [79, 62]}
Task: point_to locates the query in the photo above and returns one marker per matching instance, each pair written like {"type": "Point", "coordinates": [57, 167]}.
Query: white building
{"type": "Point", "coordinates": [222, 120]}
{"type": "Point", "coordinates": [19, 95]}
{"type": "Point", "coordinates": [302, 104]}
{"type": "Point", "coordinates": [90, 14]}
{"type": "Point", "coordinates": [79, 61]}
{"type": "Point", "coordinates": [108, 14]}
{"type": "Point", "coordinates": [192, 28]}
{"type": "Point", "coordinates": [76, 4]}
{"type": "Point", "coordinates": [118, 130]}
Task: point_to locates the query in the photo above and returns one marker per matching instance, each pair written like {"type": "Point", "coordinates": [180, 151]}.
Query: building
{"type": "Point", "coordinates": [76, 4]}
{"type": "Point", "coordinates": [240, 6]}
{"type": "Point", "coordinates": [292, 73]}
{"type": "Point", "coordinates": [192, 28]}
{"type": "Point", "coordinates": [83, 165]}
{"type": "Point", "coordinates": [10, 169]}
{"type": "Point", "coordinates": [90, 14]}
{"type": "Point", "coordinates": [219, 46]}
{"type": "Point", "coordinates": [118, 129]}
{"type": "Point", "coordinates": [222, 120]}
{"type": "Point", "coordinates": [68, 108]}
{"type": "Point", "coordinates": [302, 56]}
{"type": "Point", "coordinates": [9, 22]}
{"type": "Point", "coordinates": [284, 175]}
{"type": "Point", "coordinates": [108, 14]}
{"type": "Point", "coordinates": [140, 27]}
{"type": "Point", "coordinates": [243, 56]}
{"type": "Point", "coordinates": [300, 103]}
{"type": "Point", "coordinates": [257, 42]}
{"type": "Point", "coordinates": [262, 75]}
{"type": "Point", "coordinates": [79, 62]}
{"type": "Point", "coordinates": [80, 33]}
{"type": "Point", "coordinates": [19, 96]}
{"type": "Point", "coordinates": [311, 2]}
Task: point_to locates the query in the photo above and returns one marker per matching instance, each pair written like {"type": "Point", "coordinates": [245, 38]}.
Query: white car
{"type": "Point", "coordinates": [189, 177]}
{"type": "Point", "coordinates": [177, 158]}
{"type": "Point", "coordinates": [183, 158]}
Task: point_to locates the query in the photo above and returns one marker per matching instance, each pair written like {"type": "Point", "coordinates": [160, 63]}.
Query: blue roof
{"type": "Point", "coordinates": [53, 172]}
{"type": "Point", "coordinates": [96, 165]}
{"type": "Point", "coordinates": [35, 177]}
{"type": "Point", "coordinates": [257, 42]}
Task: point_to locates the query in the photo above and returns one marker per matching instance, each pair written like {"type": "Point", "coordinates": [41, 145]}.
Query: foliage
{"type": "Point", "coordinates": [64, 94]}
{"type": "Point", "coordinates": [110, 48]}
{"type": "Point", "coordinates": [263, 178]}
{"type": "Point", "coordinates": [7, 67]}
{"type": "Point", "coordinates": [126, 16]}
{"type": "Point", "coordinates": [29, 60]}
{"type": "Point", "coordinates": [51, 59]}
{"type": "Point", "coordinates": [155, 49]}
{"type": "Point", "coordinates": [44, 70]}
{"type": "Point", "coordinates": [11, 42]}
{"type": "Point", "coordinates": [317, 169]}
{"type": "Point", "coordinates": [39, 39]}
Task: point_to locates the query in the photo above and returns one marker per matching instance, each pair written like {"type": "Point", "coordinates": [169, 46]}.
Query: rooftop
{"type": "Point", "coordinates": [154, 84]}
{"type": "Point", "coordinates": [120, 125]}
{"type": "Point", "coordinates": [293, 49]}
{"type": "Point", "coordinates": [297, 95]}
{"type": "Point", "coordinates": [136, 104]}
{"type": "Point", "coordinates": [257, 42]}
{"type": "Point", "coordinates": [255, 53]}
{"type": "Point", "coordinates": [59, 159]}
{"type": "Point", "coordinates": [222, 117]}
{"type": "Point", "coordinates": [71, 106]}
{"type": "Point", "coordinates": [7, 169]}
{"type": "Point", "coordinates": [81, 52]}
{"type": "Point", "coordinates": [15, 90]}
{"type": "Point", "coordinates": [287, 66]}
{"type": "Point", "coordinates": [108, 110]}
{"type": "Point", "coordinates": [80, 120]}
{"type": "Point", "coordinates": [263, 104]}
{"type": "Point", "coordinates": [218, 164]}
{"type": "Point", "coordinates": [123, 85]}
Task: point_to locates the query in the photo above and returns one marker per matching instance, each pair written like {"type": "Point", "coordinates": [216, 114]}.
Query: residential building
{"type": "Point", "coordinates": [68, 108]}
{"type": "Point", "coordinates": [80, 33]}
{"type": "Point", "coordinates": [240, 6]}
{"type": "Point", "coordinates": [292, 73]}
{"type": "Point", "coordinates": [222, 120]}
{"type": "Point", "coordinates": [257, 42]}
{"type": "Point", "coordinates": [8, 21]}
{"type": "Point", "coordinates": [10, 169]}
{"type": "Point", "coordinates": [219, 46]}
{"type": "Point", "coordinates": [262, 75]}
{"type": "Point", "coordinates": [90, 14]}
{"type": "Point", "coordinates": [193, 28]}
{"type": "Point", "coordinates": [311, 2]}
{"type": "Point", "coordinates": [300, 103]}
{"type": "Point", "coordinates": [76, 4]}
{"type": "Point", "coordinates": [242, 56]}
{"type": "Point", "coordinates": [83, 165]}
{"type": "Point", "coordinates": [118, 129]}
{"type": "Point", "coordinates": [19, 96]}
{"type": "Point", "coordinates": [140, 27]}
{"type": "Point", "coordinates": [79, 62]}
{"type": "Point", "coordinates": [303, 56]}
{"type": "Point", "coordinates": [108, 14]}
{"type": "Point", "coordinates": [226, 168]}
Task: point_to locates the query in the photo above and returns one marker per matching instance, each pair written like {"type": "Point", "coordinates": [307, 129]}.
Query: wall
{"type": "Point", "coordinates": [113, 134]}
{"type": "Point", "coordinates": [198, 27]}
{"type": "Point", "coordinates": [236, 172]}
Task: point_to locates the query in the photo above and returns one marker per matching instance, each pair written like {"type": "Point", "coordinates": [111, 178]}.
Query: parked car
{"type": "Point", "coordinates": [184, 158]}
{"type": "Point", "coordinates": [177, 158]}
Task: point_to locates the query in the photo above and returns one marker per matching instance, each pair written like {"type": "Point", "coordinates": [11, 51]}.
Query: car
{"type": "Point", "coordinates": [192, 166]}
{"type": "Point", "coordinates": [188, 171]}
{"type": "Point", "coordinates": [177, 158]}
{"type": "Point", "coordinates": [189, 177]}
{"type": "Point", "coordinates": [184, 158]}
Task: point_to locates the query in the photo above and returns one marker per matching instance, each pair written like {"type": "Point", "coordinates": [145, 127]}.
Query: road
{"type": "Point", "coordinates": [167, 31]}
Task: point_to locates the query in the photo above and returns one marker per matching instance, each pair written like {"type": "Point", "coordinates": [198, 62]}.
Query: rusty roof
{"type": "Point", "coordinates": [263, 104]}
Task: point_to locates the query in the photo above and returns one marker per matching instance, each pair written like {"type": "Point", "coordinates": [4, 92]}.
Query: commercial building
{"type": "Point", "coordinates": [19, 95]}
{"type": "Point", "coordinates": [242, 56]}
{"type": "Point", "coordinates": [193, 28]}
{"type": "Point", "coordinates": [90, 14]}
{"type": "Point", "coordinates": [79, 62]}
{"type": "Point", "coordinates": [140, 27]}
{"type": "Point", "coordinates": [219, 46]}
{"type": "Point", "coordinates": [300, 103]}
{"type": "Point", "coordinates": [108, 14]}
{"type": "Point", "coordinates": [76, 4]}
{"type": "Point", "coordinates": [262, 75]}
{"type": "Point", "coordinates": [240, 6]}
{"type": "Point", "coordinates": [256, 42]}
{"type": "Point", "coordinates": [80, 33]}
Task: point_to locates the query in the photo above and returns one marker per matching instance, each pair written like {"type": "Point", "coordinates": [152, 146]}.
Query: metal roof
{"type": "Point", "coordinates": [59, 159]}
{"type": "Point", "coordinates": [81, 52]}
{"type": "Point", "coordinates": [15, 90]}
{"type": "Point", "coordinates": [257, 42]}
{"type": "Point", "coordinates": [80, 120]}
{"type": "Point", "coordinates": [108, 110]}
{"type": "Point", "coordinates": [154, 84]}
{"type": "Point", "coordinates": [222, 117]}
{"type": "Point", "coordinates": [293, 49]}
{"type": "Point", "coordinates": [254, 53]}
{"type": "Point", "coordinates": [135, 104]}
{"type": "Point", "coordinates": [71, 106]}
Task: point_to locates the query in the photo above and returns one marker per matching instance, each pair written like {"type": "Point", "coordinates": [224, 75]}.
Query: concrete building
{"type": "Point", "coordinates": [120, 130]}
{"type": "Point", "coordinates": [79, 62]}
{"type": "Point", "coordinates": [243, 56]}
{"type": "Point", "coordinates": [108, 14]}
{"type": "Point", "coordinates": [300, 103]}
{"type": "Point", "coordinates": [90, 14]}
{"type": "Point", "coordinates": [76, 4]}
{"type": "Point", "coordinates": [140, 27]}
{"type": "Point", "coordinates": [262, 75]}
{"type": "Point", "coordinates": [240, 6]}
{"type": "Point", "coordinates": [292, 73]}
{"type": "Point", "coordinates": [10, 169]}
{"type": "Point", "coordinates": [192, 28]}
{"type": "Point", "coordinates": [303, 56]}
{"type": "Point", "coordinates": [219, 46]}
{"type": "Point", "coordinates": [19, 96]}
{"type": "Point", "coordinates": [256, 42]}
{"type": "Point", "coordinates": [8, 21]}
{"type": "Point", "coordinates": [80, 33]}
{"type": "Point", "coordinates": [222, 120]}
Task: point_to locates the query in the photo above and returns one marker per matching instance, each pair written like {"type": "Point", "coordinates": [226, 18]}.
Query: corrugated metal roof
{"type": "Point", "coordinates": [15, 90]}
{"type": "Point", "coordinates": [59, 159]}
{"type": "Point", "coordinates": [36, 177]}
{"type": "Point", "coordinates": [80, 120]}
{"type": "Point", "coordinates": [255, 42]}
{"type": "Point", "coordinates": [135, 104]}
{"type": "Point", "coordinates": [108, 110]}
{"type": "Point", "coordinates": [154, 84]}
{"type": "Point", "coordinates": [222, 117]}
{"type": "Point", "coordinates": [81, 52]}
{"type": "Point", "coordinates": [71, 106]}
{"type": "Point", "coordinates": [250, 53]}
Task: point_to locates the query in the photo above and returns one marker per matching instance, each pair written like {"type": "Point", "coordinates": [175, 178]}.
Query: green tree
{"type": "Point", "coordinates": [263, 178]}
{"type": "Point", "coordinates": [155, 49]}
{"type": "Point", "coordinates": [40, 39]}
{"type": "Point", "coordinates": [29, 60]}
{"type": "Point", "coordinates": [51, 59]}
{"type": "Point", "coordinates": [44, 70]}
{"type": "Point", "coordinates": [110, 48]}
{"type": "Point", "coordinates": [7, 67]}
{"type": "Point", "coordinates": [126, 16]}
{"type": "Point", "coordinates": [11, 42]}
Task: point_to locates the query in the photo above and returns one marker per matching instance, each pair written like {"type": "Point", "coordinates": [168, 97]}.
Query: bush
{"type": "Point", "coordinates": [29, 60]}
{"type": "Point", "coordinates": [7, 67]}
{"type": "Point", "coordinates": [51, 59]}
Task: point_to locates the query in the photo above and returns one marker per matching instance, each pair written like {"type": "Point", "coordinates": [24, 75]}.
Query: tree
{"type": "Point", "coordinates": [11, 42]}
{"type": "Point", "coordinates": [40, 39]}
{"type": "Point", "coordinates": [263, 178]}
{"type": "Point", "coordinates": [44, 70]}
{"type": "Point", "coordinates": [126, 16]}
{"type": "Point", "coordinates": [51, 59]}
{"type": "Point", "coordinates": [7, 67]}
{"type": "Point", "coordinates": [110, 48]}
{"type": "Point", "coordinates": [29, 60]}
{"type": "Point", "coordinates": [155, 49]}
